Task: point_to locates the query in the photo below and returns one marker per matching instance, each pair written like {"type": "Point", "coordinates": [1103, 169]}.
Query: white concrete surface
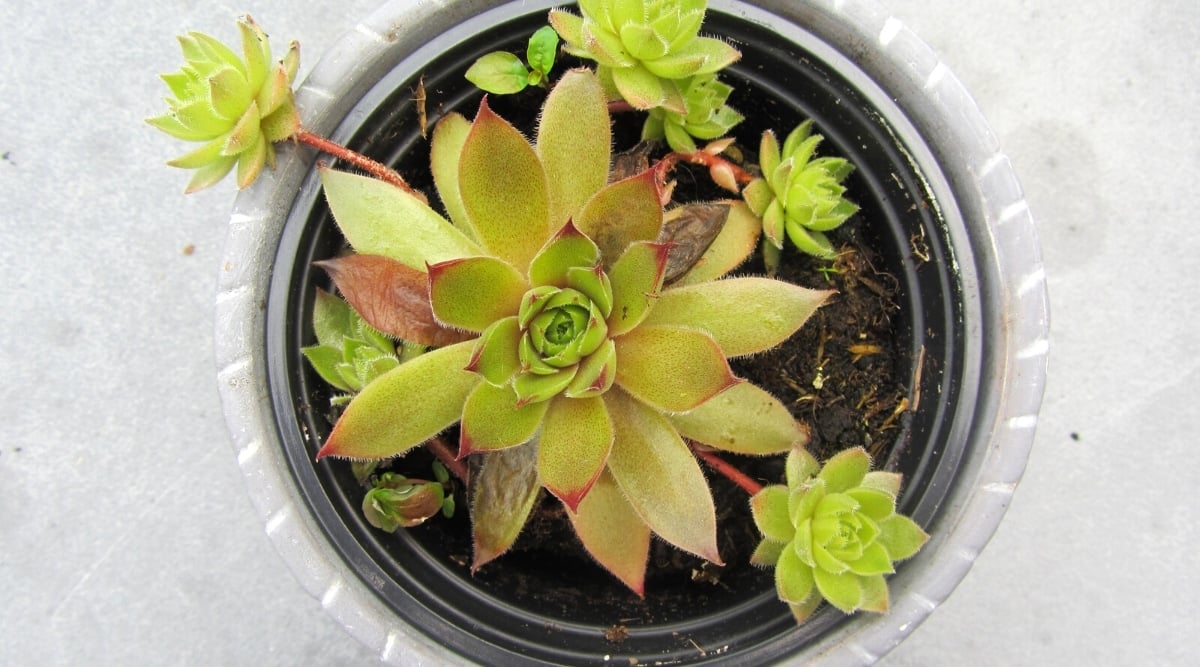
{"type": "Point", "coordinates": [126, 536]}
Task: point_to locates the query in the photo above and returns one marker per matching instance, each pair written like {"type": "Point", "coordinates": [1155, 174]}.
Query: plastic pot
{"type": "Point", "coordinates": [947, 217]}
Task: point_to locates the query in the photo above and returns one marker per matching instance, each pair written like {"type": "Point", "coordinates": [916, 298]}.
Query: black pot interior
{"type": "Point", "coordinates": [558, 612]}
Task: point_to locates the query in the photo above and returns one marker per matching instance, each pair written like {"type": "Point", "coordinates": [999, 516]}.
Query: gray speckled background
{"type": "Point", "coordinates": [126, 536]}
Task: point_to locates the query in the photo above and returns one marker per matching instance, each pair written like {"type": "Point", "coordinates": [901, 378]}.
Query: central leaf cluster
{"type": "Point", "coordinates": [560, 327]}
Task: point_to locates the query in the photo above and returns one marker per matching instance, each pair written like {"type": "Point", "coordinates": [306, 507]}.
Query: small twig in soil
{"type": "Point", "coordinates": [723, 467]}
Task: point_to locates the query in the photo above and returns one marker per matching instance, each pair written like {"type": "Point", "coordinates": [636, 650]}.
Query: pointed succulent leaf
{"type": "Point", "coordinates": [888, 482]}
{"type": "Point", "coordinates": [533, 388]}
{"type": "Point", "coordinates": [767, 553]}
{"type": "Point", "coordinates": [595, 374]}
{"type": "Point", "coordinates": [758, 195]}
{"type": "Point", "coordinates": [845, 470]}
{"type": "Point", "coordinates": [504, 190]}
{"type": "Point", "coordinates": [743, 419]}
{"type": "Point", "coordinates": [621, 214]}
{"type": "Point", "coordinates": [404, 407]}
{"type": "Point", "coordinates": [568, 248]}
{"type": "Point", "coordinates": [210, 174]}
{"type": "Point", "coordinates": [502, 493]}
{"type": "Point", "coordinates": [794, 579]}
{"type": "Point", "coordinates": [877, 505]}
{"type": "Point", "coordinates": [660, 477]}
{"type": "Point", "coordinates": [744, 315]}
{"type": "Point", "coordinates": [573, 448]}
{"type": "Point", "coordinates": [568, 26]}
{"type": "Point", "coordinates": [325, 361]}
{"type": "Point", "coordinates": [641, 88]}
{"type": "Point", "coordinates": [812, 242]}
{"type": "Point", "coordinates": [492, 420]}
{"type": "Point", "coordinates": [636, 279]}
{"type": "Point", "coordinates": [378, 218]}
{"type": "Point", "coordinates": [804, 500]}
{"type": "Point", "coordinates": [391, 297]}
{"type": "Point", "coordinates": [251, 162]}
{"type": "Point", "coordinates": [670, 368]}
{"type": "Point", "coordinates": [901, 536]}
{"type": "Point", "coordinates": [842, 590]}
{"type": "Point", "coordinates": [473, 292]}
{"type": "Point", "coordinates": [875, 594]}
{"type": "Point", "coordinates": [449, 135]}
{"type": "Point", "coordinates": [593, 283]}
{"type": "Point", "coordinates": [770, 510]}
{"type": "Point", "coordinates": [574, 142]}
{"type": "Point", "coordinates": [873, 561]}
{"type": "Point", "coordinates": [495, 355]}
{"type": "Point", "coordinates": [732, 247]}
{"type": "Point", "coordinates": [800, 467]}
{"type": "Point", "coordinates": [613, 533]}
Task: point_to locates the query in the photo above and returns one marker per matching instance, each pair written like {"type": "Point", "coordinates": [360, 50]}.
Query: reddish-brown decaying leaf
{"type": "Point", "coordinates": [391, 297]}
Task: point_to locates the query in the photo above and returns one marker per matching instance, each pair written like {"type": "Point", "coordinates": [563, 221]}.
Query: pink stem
{"type": "Point", "coordinates": [725, 468]}
{"type": "Point", "coordinates": [442, 451]}
{"type": "Point", "coordinates": [377, 169]}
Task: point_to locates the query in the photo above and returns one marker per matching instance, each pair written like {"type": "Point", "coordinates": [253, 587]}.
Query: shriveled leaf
{"type": "Point", "coordinates": [660, 477]}
{"type": "Point", "coordinates": [743, 419]}
{"type": "Point", "coordinates": [622, 213]}
{"type": "Point", "coordinates": [692, 228]}
{"type": "Point", "coordinates": [473, 292]}
{"type": "Point", "coordinates": [404, 407]}
{"type": "Point", "coordinates": [636, 279]}
{"type": "Point", "coordinates": [391, 297]}
{"type": "Point", "coordinates": [492, 420]}
{"type": "Point", "coordinates": [732, 247]}
{"type": "Point", "coordinates": [502, 493]}
{"type": "Point", "coordinates": [672, 369]}
{"type": "Point", "coordinates": [504, 189]}
{"type": "Point", "coordinates": [576, 438]}
{"type": "Point", "coordinates": [744, 315]}
{"type": "Point", "coordinates": [613, 533]}
{"type": "Point", "coordinates": [574, 141]}
{"type": "Point", "coordinates": [378, 218]}
{"type": "Point", "coordinates": [449, 135]}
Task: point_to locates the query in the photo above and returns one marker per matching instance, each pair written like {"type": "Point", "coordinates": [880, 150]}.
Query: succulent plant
{"type": "Point", "coordinates": [800, 194]}
{"type": "Point", "coordinates": [237, 107]}
{"type": "Point", "coordinates": [396, 501]}
{"type": "Point", "coordinates": [644, 49]}
{"type": "Point", "coordinates": [568, 362]}
{"type": "Point", "coordinates": [832, 533]}
{"type": "Point", "coordinates": [707, 116]}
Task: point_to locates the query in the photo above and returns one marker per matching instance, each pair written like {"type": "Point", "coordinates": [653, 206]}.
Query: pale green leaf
{"type": "Point", "coordinates": [492, 420]}
{"type": "Point", "coordinates": [473, 292]}
{"type": "Point", "coordinates": [660, 477]}
{"type": "Point", "coordinates": [613, 533]}
{"type": "Point", "coordinates": [672, 369]}
{"type": "Point", "coordinates": [845, 470]}
{"type": "Point", "coordinates": [499, 72]}
{"type": "Point", "coordinates": [378, 218]}
{"type": "Point", "coordinates": [770, 510]}
{"type": "Point", "coordinates": [405, 407]}
{"type": "Point", "coordinates": [574, 141]}
{"type": "Point", "coordinates": [744, 315]}
{"type": "Point", "coordinates": [743, 419]}
{"type": "Point", "coordinates": [576, 438]}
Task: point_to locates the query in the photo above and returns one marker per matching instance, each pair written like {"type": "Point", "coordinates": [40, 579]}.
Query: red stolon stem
{"type": "Point", "coordinates": [376, 169]}
{"type": "Point", "coordinates": [726, 469]}
{"type": "Point", "coordinates": [442, 451]}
